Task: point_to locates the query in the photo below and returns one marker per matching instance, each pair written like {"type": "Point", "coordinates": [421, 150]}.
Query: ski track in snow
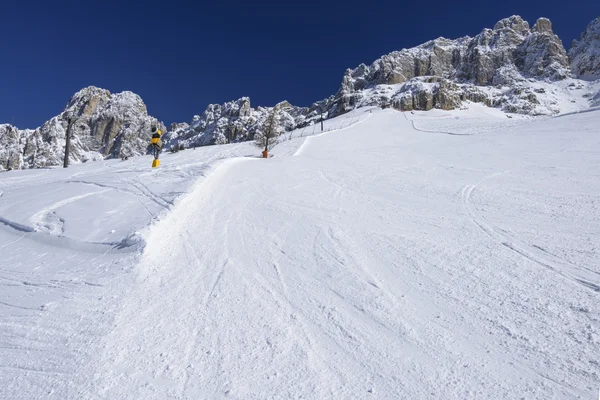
{"type": "Point", "coordinates": [581, 275]}
{"type": "Point", "coordinates": [367, 266]}
{"type": "Point", "coordinates": [46, 219]}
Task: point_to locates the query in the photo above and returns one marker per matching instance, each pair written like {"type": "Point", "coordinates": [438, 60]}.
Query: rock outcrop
{"type": "Point", "coordinates": [237, 121]}
{"type": "Point", "coordinates": [441, 73]}
{"type": "Point", "coordinates": [104, 125]}
{"type": "Point", "coordinates": [585, 53]}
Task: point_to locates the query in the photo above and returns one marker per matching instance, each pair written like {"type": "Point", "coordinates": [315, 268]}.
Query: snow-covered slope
{"type": "Point", "coordinates": [386, 260]}
{"type": "Point", "coordinates": [105, 126]}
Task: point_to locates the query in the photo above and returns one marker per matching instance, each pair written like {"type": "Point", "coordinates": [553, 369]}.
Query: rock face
{"type": "Point", "coordinates": [11, 144]}
{"type": "Point", "coordinates": [542, 54]}
{"type": "Point", "coordinates": [237, 121]}
{"type": "Point", "coordinates": [104, 125]}
{"type": "Point", "coordinates": [441, 73]}
{"type": "Point", "coordinates": [585, 53]}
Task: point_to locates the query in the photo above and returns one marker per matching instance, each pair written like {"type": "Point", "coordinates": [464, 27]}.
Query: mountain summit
{"type": "Point", "coordinates": [443, 72]}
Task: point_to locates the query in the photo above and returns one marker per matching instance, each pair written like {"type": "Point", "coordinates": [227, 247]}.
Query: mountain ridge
{"type": "Point", "coordinates": [511, 66]}
{"type": "Point", "coordinates": [515, 67]}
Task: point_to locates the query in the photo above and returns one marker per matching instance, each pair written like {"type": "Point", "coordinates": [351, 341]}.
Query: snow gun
{"type": "Point", "coordinates": [156, 143]}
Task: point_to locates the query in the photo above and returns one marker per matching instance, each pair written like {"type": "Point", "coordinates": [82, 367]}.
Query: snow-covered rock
{"type": "Point", "coordinates": [237, 121]}
{"type": "Point", "coordinates": [11, 144]}
{"type": "Point", "coordinates": [104, 125]}
{"type": "Point", "coordinates": [585, 53]}
{"type": "Point", "coordinates": [443, 72]}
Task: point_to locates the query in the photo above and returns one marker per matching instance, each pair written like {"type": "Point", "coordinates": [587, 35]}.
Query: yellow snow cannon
{"type": "Point", "coordinates": [156, 143]}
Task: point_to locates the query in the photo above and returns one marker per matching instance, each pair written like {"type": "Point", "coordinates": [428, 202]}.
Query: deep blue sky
{"type": "Point", "coordinates": [180, 56]}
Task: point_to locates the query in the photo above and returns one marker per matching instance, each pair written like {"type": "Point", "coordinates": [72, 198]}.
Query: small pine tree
{"type": "Point", "coordinates": [267, 133]}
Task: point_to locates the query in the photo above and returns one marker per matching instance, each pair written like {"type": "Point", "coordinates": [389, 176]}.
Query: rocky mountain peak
{"type": "Point", "coordinates": [542, 25]}
{"type": "Point", "coordinates": [508, 32]}
{"type": "Point", "coordinates": [235, 121]}
{"type": "Point", "coordinates": [504, 56]}
{"type": "Point", "coordinates": [585, 53]}
{"type": "Point", "coordinates": [542, 54]}
{"type": "Point", "coordinates": [514, 23]}
{"type": "Point", "coordinates": [104, 125]}
{"type": "Point", "coordinates": [86, 100]}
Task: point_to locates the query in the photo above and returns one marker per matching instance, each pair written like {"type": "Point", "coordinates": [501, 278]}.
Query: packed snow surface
{"type": "Point", "coordinates": [398, 256]}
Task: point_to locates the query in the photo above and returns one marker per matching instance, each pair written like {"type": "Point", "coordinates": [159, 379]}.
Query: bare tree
{"type": "Point", "coordinates": [266, 136]}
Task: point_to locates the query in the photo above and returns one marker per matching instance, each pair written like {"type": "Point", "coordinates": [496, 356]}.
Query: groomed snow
{"type": "Point", "coordinates": [380, 261]}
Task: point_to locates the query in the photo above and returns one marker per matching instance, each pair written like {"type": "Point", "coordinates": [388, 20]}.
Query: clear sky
{"type": "Point", "coordinates": [180, 56]}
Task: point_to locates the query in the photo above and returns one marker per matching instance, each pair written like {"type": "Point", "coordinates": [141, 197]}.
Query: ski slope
{"type": "Point", "coordinates": [388, 259]}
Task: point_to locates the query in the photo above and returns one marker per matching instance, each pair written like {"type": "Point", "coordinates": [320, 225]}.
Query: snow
{"type": "Point", "coordinates": [381, 261]}
{"type": "Point", "coordinates": [474, 118]}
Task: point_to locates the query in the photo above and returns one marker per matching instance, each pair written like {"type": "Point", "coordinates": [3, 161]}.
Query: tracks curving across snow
{"type": "Point", "coordinates": [414, 126]}
{"type": "Point", "coordinates": [46, 219]}
{"type": "Point", "coordinates": [309, 139]}
{"type": "Point", "coordinates": [586, 277]}
{"type": "Point", "coordinates": [336, 274]}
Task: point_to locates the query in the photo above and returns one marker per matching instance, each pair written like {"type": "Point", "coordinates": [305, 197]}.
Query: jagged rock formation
{"type": "Point", "coordinates": [585, 53]}
{"type": "Point", "coordinates": [11, 145]}
{"type": "Point", "coordinates": [507, 55]}
{"type": "Point", "coordinates": [104, 125]}
{"type": "Point", "coordinates": [237, 121]}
